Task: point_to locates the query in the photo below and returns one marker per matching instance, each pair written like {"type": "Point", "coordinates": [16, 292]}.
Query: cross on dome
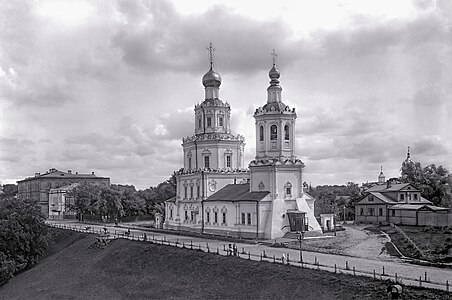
{"type": "Point", "coordinates": [211, 50]}
{"type": "Point", "coordinates": [274, 56]}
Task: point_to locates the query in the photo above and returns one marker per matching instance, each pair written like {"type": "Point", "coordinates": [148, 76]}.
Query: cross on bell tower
{"type": "Point", "coordinates": [211, 51]}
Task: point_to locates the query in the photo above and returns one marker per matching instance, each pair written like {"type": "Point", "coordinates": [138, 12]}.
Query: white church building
{"type": "Point", "coordinates": [216, 194]}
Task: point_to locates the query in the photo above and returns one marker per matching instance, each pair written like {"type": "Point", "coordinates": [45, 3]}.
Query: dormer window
{"type": "Point", "coordinates": [371, 198]}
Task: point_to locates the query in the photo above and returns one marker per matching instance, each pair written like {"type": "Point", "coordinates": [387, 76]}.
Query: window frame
{"type": "Point", "coordinates": [273, 132]}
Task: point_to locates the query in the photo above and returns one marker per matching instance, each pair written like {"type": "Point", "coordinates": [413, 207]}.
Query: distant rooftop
{"type": "Point", "coordinates": [54, 173]}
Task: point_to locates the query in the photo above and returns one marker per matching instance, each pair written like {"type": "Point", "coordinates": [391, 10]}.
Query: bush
{"type": "Point", "coordinates": [23, 236]}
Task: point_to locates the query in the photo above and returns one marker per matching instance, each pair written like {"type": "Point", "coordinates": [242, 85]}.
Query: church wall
{"type": "Point", "coordinates": [288, 177]}
{"type": "Point", "coordinates": [217, 151]}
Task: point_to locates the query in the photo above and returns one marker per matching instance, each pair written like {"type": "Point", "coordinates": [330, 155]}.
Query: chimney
{"type": "Point", "coordinates": [69, 171]}
{"type": "Point", "coordinates": [388, 183]}
{"type": "Point", "coordinates": [37, 174]}
{"type": "Point", "coordinates": [76, 173]}
{"type": "Point", "coordinates": [92, 173]}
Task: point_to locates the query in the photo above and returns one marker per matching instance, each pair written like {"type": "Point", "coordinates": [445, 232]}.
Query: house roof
{"type": "Point", "coordinates": [417, 207]}
{"type": "Point", "coordinates": [383, 197]}
{"type": "Point", "coordinates": [392, 188]}
{"type": "Point", "coordinates": [237, 192]}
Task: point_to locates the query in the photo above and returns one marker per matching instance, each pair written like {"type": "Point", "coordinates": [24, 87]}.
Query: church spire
{"type": "Point", "coordinates": [274, 90]}
{"type": "Point", "coordinates": [381, 177]}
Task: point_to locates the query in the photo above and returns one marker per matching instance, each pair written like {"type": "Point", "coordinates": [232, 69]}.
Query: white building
{"type": "Point", "coordinates": [58, 203]}
{"type": "Point", "coordinates": [216, 195]}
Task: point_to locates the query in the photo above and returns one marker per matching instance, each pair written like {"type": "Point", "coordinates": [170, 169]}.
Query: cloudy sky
{"type": "Point", "coordinates": [110, 86]}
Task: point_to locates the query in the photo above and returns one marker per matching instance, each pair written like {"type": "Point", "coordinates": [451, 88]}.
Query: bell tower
{"type": "Point", "coordinates": [275, 123]}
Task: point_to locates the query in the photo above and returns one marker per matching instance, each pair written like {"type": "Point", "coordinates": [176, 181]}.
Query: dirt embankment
{"type": "Point", "coordinates": [81, 269]}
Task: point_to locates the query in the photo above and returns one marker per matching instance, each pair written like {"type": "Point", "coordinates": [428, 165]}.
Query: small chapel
{"type": "Point", "coordinates": [216, 194]}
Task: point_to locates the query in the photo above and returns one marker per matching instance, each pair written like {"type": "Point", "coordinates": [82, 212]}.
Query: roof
{"type": "Point", "coordinates": [382, 197]}
{"type": "Point", "coordinates": [54, 173]}
{"type": "Point", "coordinates": [417, 207]}
{"type": "Point", "coordinates": [237, 192]}
{"type": "Point", "coordinates": [66, 187]}
{"type": "Point", "coordinates": [392, 188]}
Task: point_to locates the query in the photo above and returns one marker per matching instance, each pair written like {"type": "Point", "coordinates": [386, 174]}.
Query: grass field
{"type": "Point", "coordinates": [77, 267]}
{"type": "Point", "coordinates": [435, 243]}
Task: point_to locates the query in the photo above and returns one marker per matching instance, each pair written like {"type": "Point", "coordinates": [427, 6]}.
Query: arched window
{"type": "Point", "coordinates": [261, 133]}
{"type": "Point", "coordinates": [286, 133]}
{"type": "Point", "coordinates": [273, 132]}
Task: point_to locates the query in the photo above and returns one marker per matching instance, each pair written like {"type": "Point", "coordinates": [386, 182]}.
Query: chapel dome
{"type": "Point", "coordinates": [211, 79]}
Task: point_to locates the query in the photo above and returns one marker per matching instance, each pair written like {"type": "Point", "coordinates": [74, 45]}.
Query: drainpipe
{"type": "Point", "coordinates": [202, 202]}
{"type": "Point", "coordinates": [257, 220]}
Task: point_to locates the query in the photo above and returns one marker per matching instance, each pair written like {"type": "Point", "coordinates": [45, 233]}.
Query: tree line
{"type": "Point", "coordinates": [116, 200]}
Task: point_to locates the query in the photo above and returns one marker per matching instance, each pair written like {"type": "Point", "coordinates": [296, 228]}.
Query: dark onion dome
{"type": "Point", "coordinates": [211, 79]}
{"type": "Point", "coordinates": [274, 73]}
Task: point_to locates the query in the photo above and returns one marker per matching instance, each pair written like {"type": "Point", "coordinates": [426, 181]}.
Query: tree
{"type": "Point", "coordinates": [431, 180]}
{"type": "Point", "coordinates": [9, 190]}
{"type": "Point", "coordinates": [23, 235]}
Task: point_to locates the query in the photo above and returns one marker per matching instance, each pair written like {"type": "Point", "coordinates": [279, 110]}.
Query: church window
{"type": "Point", "coordinates": [191, 192]}
{"type": "Point", "coordinates": [273, 132]}
{"type": "Point", "coordinates": [199, 123]}
{"type": "Point", "coordinates": [209, 122]}
{"type": "Point", "coordinates": [185, 192]}
{"type": "Point", "coordinates": [186, 215]}
{"type": "Point", "coordinates": [286, 133]}
{"type": "Point", "coordinates": [288, 189]}
{"type": "Point", "coordinates": [228, 161]}
{"type": "Point", "coordinates": [224, 218]}
{"type": "Point", "coordinates": [171, 214]}
{"type": "Point", "coordinates": [206, 162]}
{"type": "Point", "coordinates": [189, 163]}
{"type": "Point", "coordinates": [197, 191]}
{"type": "Point", "coordinates": [380, 211]}
{"type": "Point", "coordinates": [215, 217]}
{"type": "Point", "coordinates": [243, 218]}
{"type": "Point", "coordinates": [261, 133]}
{"type": "Point", "coordinates": [208, 217]}
{"type": "Point", "coordinates": [220, 121]}
{"type": "Point", "coordinates": [248, 217]}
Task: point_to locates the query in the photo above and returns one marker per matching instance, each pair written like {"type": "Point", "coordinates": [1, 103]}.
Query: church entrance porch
{"type": "Point", "coordinates": [298, 222]}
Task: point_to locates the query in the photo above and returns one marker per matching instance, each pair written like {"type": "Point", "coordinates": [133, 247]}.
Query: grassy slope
{"type": "Point", "coordinates": [134, 270]}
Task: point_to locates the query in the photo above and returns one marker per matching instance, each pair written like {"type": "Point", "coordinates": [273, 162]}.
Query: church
{"type": "Point", "coordinates": [217, 194]}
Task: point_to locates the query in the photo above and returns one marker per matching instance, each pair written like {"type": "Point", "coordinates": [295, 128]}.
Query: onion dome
{"type": "Point", "coordinates": [211, 79]}
{"type": "Point", "coordinates": [274, 76]}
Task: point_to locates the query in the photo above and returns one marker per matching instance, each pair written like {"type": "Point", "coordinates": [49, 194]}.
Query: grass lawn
{"type": "Point", "coordinates": [82, 269]}
{"type": "Point", "coordinates": [435, 243]}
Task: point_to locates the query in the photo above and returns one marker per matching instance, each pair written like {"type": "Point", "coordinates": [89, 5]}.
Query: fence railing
{"type": "Point", "coordinates": [382, 274]}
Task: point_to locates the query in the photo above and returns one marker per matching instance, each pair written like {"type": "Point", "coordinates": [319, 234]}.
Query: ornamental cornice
{"type": "Point", "coordinates": [214, 137]}
{"type": "Point", "coordinates": [276, 162]}
{"type": "Point", "coordinates": [182, 171]}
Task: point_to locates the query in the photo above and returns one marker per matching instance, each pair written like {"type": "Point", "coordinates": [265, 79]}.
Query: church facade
{"type": "Point", "coordinates": [215, 194]}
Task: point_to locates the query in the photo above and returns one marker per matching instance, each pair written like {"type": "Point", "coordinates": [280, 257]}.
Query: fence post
{"type": "Point", "coordinates": [447, 285]}
{"type": "Point", "coordinates": [288, 261]}
{"type": "Point", "coordinates": [224, 247]}
{"type": "Point", "coordinates": [243, 250]}
{"type": "Point", "coordinates": [315, 260]}
{"type": "Point", "coordinates": [335, 268]}
{"type": "Point", "coordinates": [249, 256]}
{"type": "Point", "coordinates": [354, 274]}
{"type": "Point", "coordinates": [425, 276]}
{"type": "Point", "coordinates": [274, 260]}
{"type": "Point", "coordinates": [383, 271]}
{"type": "Point", "coordinates": [191, 245]}
{"type": "Point", "coordinates": [183, 244]}
{"type": "Point", "coordinates": [395, 277]}
{"type": "Point", "coordinates": [420, 281]}
{"type": "Point", "coordinates": [261, 256]}
{"type": "Point", "coordinates": [346, 265]}
{"type": "Point", "coordinates": [265, 254]}
{"type": "Point", "coordinates": [218, 251]}
{"type": "Point", "coordinates": [374, 275]}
